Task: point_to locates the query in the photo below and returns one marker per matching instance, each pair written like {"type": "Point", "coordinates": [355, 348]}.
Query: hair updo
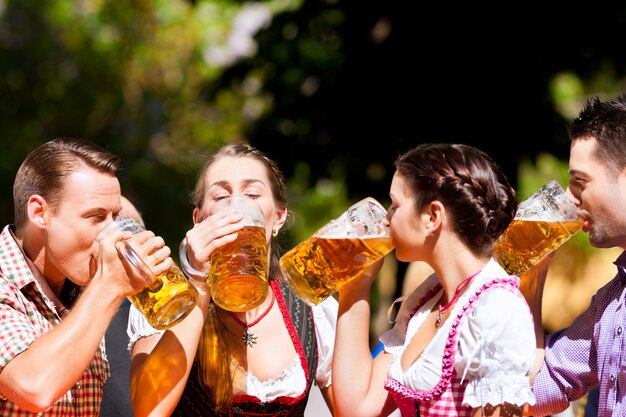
{"type": "Point", "coordinates": [471, 186]}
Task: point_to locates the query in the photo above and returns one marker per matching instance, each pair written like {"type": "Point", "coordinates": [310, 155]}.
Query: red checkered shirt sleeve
{"type": "Point", "coordinates": [25, 314]}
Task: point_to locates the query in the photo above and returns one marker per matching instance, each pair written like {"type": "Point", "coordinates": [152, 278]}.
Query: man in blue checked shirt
{"type": "Point", "coordinates": [591, 352]}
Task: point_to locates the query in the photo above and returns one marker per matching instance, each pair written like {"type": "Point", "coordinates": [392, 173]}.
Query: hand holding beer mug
{"type": "Point", "coordinates": [543, 222]}
{"type": "Point", "coordinates": [238, 270]}
{"type": "Point", "coordinates": [166, 299]}
{"type": "Point", "coordinates": [338, 252]}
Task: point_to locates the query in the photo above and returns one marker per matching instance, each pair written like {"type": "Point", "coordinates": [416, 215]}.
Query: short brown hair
{"type": "Point", "coordinates": [44, 170]}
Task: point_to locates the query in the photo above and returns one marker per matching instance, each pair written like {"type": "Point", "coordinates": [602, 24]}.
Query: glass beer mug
{"type": "Point", "coordinates": [542, 223]}
{"type": "Point", "coordinates": [338, 252]}
{"type": "Point", "coordinates": [166, 299]}
{"type": "Point", "coordinates": [238, 270]}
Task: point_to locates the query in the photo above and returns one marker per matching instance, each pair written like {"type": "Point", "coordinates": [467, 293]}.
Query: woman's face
{"type": "Point", "coordinates": [245, 177]}
{"type": "Point", "coordinates": [407, 230]}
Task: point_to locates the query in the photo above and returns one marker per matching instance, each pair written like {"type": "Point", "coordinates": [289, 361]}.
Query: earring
{"type": "Point", "coordinates": [427, 233]}
{"type": "Point", "coordinates": [275, 233]}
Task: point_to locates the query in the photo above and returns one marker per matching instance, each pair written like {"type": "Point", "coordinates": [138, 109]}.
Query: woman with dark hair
{"type": "Point", "coordinates": [463, 343]}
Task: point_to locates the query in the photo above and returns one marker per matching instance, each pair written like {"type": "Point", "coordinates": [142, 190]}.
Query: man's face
{"type": "Point", "coordinates": [599, 193]}
{"type": "Point", "coordinates": [90, 201]}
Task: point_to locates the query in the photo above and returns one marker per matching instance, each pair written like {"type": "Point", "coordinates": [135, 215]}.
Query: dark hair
{"type": "Point", "coordinates": [45, 169]}
{"type": "Point", "coordinates": [468, 182]}
{"type": "Point", "coordinates": [606, 122]}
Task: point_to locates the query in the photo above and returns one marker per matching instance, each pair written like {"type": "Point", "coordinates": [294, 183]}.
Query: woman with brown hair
{"type": "Point", "coordinates": [201, 366]}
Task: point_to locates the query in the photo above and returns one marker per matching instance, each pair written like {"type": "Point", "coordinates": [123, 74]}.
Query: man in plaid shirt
{"type": "Point", "coordinates": [60, 287]}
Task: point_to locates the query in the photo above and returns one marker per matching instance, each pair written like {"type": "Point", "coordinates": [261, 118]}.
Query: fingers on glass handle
{"type": "Point", "coordinates": [133, 258]}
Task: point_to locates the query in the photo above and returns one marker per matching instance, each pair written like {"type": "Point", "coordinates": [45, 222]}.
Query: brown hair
{"type": "Point", "coordinates": [213, 356]}
{"type": "Point", "coordinates": [277, 183]}
{"type": "Point", "coordinates": [45, 169]}
{"type": "Point", "coordinates": [468, 182]}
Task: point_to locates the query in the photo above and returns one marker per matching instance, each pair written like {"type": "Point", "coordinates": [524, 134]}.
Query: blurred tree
{"type": "Point", "coordinates": [137, 78]}
{"type": "Point", "coordinates": [331, 89]}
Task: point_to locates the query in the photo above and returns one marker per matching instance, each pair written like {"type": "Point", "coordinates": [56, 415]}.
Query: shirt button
{"type": "Point", "coordinates": [612, 378]}
{"type": "Point", "coordinates": [619, 330]}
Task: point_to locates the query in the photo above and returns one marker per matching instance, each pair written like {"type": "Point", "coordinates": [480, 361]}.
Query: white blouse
{"type": "Point", "coordinates": [292, 382]}
{"type": "Point", "coordinates": [495, 350]}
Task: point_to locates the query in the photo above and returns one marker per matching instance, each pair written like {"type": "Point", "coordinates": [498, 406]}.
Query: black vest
{"type": "Point", "coordinates": [195, 402]}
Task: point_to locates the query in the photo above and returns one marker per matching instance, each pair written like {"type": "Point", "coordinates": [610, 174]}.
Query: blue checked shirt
{"type": "Point", "coordinates": [588, 353]}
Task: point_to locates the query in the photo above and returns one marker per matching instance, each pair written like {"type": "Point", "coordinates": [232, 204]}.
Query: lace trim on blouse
{"type": "Point", "coordinates": [511, 387]}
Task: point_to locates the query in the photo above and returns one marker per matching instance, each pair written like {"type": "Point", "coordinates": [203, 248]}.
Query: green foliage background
{"type": "Point", "coordinates": [331, 89]}
{"type": "Point", "coordinates": [131, 76]}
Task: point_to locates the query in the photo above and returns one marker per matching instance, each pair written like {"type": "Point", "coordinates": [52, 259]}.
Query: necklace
{"type": "Point", "coordinates": [457, 292]}
{"type": "Point", "coordinates": [248, 338]}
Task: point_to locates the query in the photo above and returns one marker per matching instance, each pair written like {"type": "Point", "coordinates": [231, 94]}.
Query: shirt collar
{"type": "Point", "coordinates": [13, 263]}
{"type": "Point", "coordinates": [620, 263]}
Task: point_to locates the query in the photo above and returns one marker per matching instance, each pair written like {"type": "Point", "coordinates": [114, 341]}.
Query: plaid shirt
{"type": "Point", "coordinates": [25, 314]}
{"type": "Point", "coordinates": [588, 353]}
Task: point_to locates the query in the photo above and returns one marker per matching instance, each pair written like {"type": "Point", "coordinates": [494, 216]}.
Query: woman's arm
{"type": "Point", "coordinates": [358, 381]}
{"type": "Point", "coordinates": [531, 286]}
{"type": "Point", "coordinates": [327, 394]}
{"type": "Point", "coordinates": [161, 363]}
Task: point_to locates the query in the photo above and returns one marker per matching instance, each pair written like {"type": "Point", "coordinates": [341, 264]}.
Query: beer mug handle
{"type": "Point", "coordinates": [139, 265]}
{"type": "Point", "coordinates": [189, 271]}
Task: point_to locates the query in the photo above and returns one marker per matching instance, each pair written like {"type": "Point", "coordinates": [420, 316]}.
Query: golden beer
{"type": "Point", "coordinates": [238, 273]}
{"type": "Point", "coordinates": [319, 266]}
{"type": "Point", "coordinates": [167, 300]}
{"type": "Point", "coordinates": [525, 242]}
